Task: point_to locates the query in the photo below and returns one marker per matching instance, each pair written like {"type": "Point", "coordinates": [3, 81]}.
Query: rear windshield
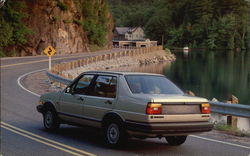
{"type": "Point", "coordinates": [149, 84]}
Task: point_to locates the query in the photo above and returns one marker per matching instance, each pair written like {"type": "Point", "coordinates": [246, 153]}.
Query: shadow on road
{"type": "Point", "coordinates": [93, 137]}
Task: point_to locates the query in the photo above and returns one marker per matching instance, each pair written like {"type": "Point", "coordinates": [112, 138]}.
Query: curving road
{"type": "Point", "coordinates": [22, 131]}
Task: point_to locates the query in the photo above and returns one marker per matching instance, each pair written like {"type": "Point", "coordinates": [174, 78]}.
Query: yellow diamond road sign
{"type": "Point", "coordinates": [49, 51]}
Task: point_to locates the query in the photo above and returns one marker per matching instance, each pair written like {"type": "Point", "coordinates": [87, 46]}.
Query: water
{"type": "Point", "coordinates": [210, 74]}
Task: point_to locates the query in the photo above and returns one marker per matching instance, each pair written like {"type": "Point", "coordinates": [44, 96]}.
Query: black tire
{"type": "Point", "coordinates": [176, 140]}
{"type": "Point", "coordinates": [115, 134]}
{"type": "Point", "coordinates": [50, 120]}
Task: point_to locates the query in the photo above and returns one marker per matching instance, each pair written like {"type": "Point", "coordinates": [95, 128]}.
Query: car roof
{"type": "Point", "coordinates": [120, 73]}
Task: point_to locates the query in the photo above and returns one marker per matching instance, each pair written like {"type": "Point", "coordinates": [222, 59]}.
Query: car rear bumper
{"type": "Point", "coordinates": [166, 129]}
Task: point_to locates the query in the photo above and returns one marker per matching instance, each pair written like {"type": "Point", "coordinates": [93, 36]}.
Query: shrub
{"type": "Point", "coordinates": [55, 18]}
{"type": "Point", "coordinates": [62, 6]}
{"type": "Point", "coordinates": [2, 54]}
{"type": "Point", "coordinates": [79, 22]}
{"type": "Point", "coordinates": [13, 31]}
{"type": "Point", "coordinates": [66, 21]}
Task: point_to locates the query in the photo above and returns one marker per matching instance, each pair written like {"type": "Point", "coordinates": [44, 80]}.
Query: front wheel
{"type": "Point", "coordinates": [50, 120]}
{"type": "Point", "coordinates": [176, 140]}
{"type": "Point", "coordinates": [114, 134]}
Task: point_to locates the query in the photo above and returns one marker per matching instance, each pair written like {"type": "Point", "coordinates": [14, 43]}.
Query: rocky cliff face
{"type": "Point", "coordinates": [57, 23]}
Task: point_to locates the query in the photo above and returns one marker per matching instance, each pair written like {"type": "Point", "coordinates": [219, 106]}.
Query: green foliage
{"type": "Point", "coordinates": [79, 22]}
{"type": "Point", "coordinates": [12, 29]}
{"type": "Point", "coordinates": [66, 21]}
{"type": "Point", "coordinates": [62, 6]}
{"type": "Point", "coordinates": [203, 23]}
{"type": "Point", "coordinates": [2, 54]}
{"type": "Point", "coordinates": [55, 18]}
{"type": "Point", "coordinates": [232, 130]}
{"type": "Point", "coordinates": [95, 21]}
{"type": "Point", "coordinates": [94, 47]}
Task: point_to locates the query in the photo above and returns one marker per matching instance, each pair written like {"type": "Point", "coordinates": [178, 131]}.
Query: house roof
{"type": "Point", "coordinates": [121, 30]}
{"type": "Point", "coordinates": [132, 29]}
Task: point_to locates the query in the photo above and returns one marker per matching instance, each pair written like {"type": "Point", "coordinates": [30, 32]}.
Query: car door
{"type": "Point", "coordinates": [101, 97]}
{"type": "Point", "coordinates": [73, 98]}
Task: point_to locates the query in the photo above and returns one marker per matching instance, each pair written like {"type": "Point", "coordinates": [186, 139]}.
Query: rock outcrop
{"type": "Point", "coordinates": [57, 26]}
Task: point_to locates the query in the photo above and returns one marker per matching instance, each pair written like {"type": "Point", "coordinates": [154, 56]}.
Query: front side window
{"type": "Point", "coordinates": [105, 86]}
{"type": "Point", "coordinates": [82, 85]}
{"type": "Point", "coordinates": [150, 84]}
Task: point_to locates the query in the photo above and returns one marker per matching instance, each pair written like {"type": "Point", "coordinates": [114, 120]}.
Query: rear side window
{"type": "Point", "coordinates": [150, 84]}
{"type": "Point", "coordinates": [105, 86]}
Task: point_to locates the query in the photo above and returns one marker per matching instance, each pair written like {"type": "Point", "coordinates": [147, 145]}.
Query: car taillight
{"type": "Point", "coordinates": [153, 108]}
{"type": "Point", "coordinates": [205, 108]}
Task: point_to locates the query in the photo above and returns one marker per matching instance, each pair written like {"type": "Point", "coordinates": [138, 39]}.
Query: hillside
{"type": "Point", "coordinates": [212, 24]}
{"type": "Point", "coordinates": [71, 26]}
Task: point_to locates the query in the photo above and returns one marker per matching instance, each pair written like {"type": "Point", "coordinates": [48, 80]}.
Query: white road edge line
{"type": "Point", "coordinates": [22, 76]}
{"type": "Point", "coordinates": [217, 141]}
{"type": "Point", "coordinates": [195, 136]}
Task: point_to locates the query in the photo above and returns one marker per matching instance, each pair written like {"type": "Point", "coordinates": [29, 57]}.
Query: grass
{"type": "Point", "coordinates": [66, 21]}
{"type": "Point", "coordinates": [55, 18]}
{"type": "Point", "coordinates": [232, 130]}
{"type": "Point", "coordinates": [2, 54]}
{"type": "Point", "coordinates": [62, 6]}
{"type": "Point", "coordinates": [10, 53]}
{"type": "Point", "coordinates": [167, 51]}
{"type": "Point", "coordinates": [79, 22]}
{"type": "Point", "coordinates": [94, 47]}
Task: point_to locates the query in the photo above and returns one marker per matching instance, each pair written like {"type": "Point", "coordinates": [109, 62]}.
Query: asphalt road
{"type": "Point", "coordinates": [22, 131]}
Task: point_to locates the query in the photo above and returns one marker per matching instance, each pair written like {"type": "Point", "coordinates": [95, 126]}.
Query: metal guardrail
{"type": "Point", "coordinates": [216, 107]}
{"type": "Point", "coordinates": [230, 109]}
{"type": "Point", "coordinates": [59, 78]}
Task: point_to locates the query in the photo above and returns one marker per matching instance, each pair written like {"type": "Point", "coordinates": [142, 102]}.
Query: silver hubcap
{"type": "Point", "coordinates": [113, 133]}
{"type": "Point", "coordinates": [48, 119]}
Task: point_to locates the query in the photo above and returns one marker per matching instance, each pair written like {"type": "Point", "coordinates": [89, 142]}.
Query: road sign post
{"type": "Point", "coordinates": [49, 63]}
{"type": "Point", "coordinates": [49, 51]}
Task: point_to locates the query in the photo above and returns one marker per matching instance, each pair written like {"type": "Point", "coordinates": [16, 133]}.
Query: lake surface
{"type": "Point", "coordinates": [210, 74]}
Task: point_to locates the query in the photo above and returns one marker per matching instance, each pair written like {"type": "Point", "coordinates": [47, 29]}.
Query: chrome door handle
{"type": "Point", "coordinates": [108, 102]}
{"type": "Point", "coordinates": [80, 98]}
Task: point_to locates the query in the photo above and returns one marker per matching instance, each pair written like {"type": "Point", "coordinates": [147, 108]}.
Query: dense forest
{"type": "Point", "coordinates": [213, 24]}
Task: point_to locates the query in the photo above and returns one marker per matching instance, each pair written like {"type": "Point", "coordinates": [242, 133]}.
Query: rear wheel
{"type": "Point", "coordinates": [50, 120]}
{"type": "Point", "coordinates": [176, 140]}
{"type": "Point", "coordinates": [114, 134]}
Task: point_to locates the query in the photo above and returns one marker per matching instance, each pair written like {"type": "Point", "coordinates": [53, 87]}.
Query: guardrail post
{"type": "Point", "coordinates": [113, 56]}
{"type": "Point", "coordinates": [130, 52]}
{"type": "Point", "coordinates": [232, 120]}
{"type": "Point", "coordinates": [94, 59]}
{"type": "Point", "coordinates": [79, 63]}
{"type": "Point", "coordinates": [124, 53]}
{"type": "Point", "coordinates": [103, 57]}
{"type": "Point", "coordinates": [87, 61]}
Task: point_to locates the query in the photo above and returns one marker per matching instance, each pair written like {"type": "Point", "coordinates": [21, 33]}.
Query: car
{"type": "Point", "coordinates": [127, 104]}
